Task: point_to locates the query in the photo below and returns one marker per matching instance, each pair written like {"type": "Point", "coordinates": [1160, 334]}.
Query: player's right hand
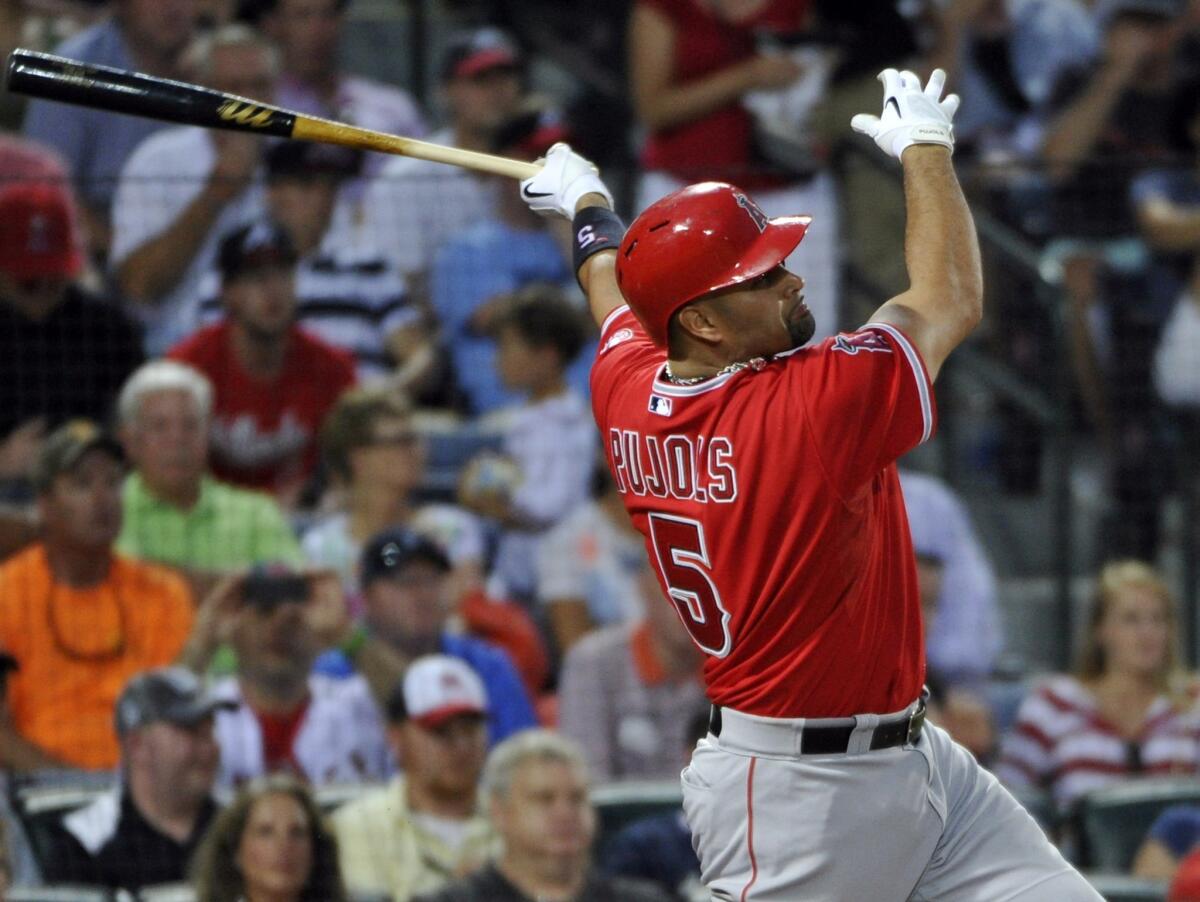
{"type": "Point", "coordinates": [564, 179]}
{"type": "Point", "coordinates": [911, 114]}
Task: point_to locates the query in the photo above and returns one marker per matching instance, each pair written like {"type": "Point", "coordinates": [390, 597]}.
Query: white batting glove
{"type": "Point", "coordinates": [565, 177]}
{"type": "Point", "coordinates": [911, 115]}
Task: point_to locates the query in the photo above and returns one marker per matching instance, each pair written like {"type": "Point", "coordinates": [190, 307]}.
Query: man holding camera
{"type": "Point", "coordinates": [324, 729]}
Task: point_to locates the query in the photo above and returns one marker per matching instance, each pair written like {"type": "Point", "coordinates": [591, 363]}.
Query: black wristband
{"type": "Point", "coordinates": [594, 229]}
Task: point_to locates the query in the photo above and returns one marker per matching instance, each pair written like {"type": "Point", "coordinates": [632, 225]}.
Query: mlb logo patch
{"type": "Point", "coordinates": [660, 405]}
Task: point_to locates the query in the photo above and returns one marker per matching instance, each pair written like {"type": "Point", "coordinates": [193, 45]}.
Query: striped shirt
{"type": "Point", "coordinates": [1062, 742]}
{"type": "Point", "coordinates": [351, 301]}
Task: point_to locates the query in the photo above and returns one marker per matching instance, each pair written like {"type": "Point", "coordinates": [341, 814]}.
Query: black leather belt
{"type": "Point", "coordinates": [835, 740]}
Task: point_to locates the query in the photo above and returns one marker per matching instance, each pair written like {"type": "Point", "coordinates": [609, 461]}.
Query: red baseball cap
{"type": "Point", "coordinates": [38, 234]}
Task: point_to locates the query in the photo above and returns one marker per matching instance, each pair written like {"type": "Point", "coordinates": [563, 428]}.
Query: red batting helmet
{"type": "Point", "coordinates": [696, 240]}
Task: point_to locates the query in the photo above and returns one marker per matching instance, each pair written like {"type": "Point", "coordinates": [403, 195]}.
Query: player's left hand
{"type": "Point", "coordinates": [911, 114]}
{"type": "Point", "coordinates": [564, 179]}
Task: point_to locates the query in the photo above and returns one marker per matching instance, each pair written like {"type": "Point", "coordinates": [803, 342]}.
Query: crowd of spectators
{"type": "Point", "coordinates": [308, 551]}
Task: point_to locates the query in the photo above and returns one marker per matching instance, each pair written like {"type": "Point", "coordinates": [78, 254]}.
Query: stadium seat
{"type": "Point", "coordinates": [448, 448]}
{"type": "Point", "coordinates": [1122, 888]}
{"type": "Point", "coordinates": [40, 807]}
{"type": "Point", "coordinates": [335, 795]}
{"type": "Point", "coordinates": [620, 804]}
{"type": "Point", "coordinates": [57, 894]}
{"type": "Point", "coordinates": [167, 892]}
{"type": "Point", "coordinates": [1112, 822]}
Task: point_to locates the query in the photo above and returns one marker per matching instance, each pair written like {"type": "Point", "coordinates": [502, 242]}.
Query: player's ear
{"type": "Point", "coordinates": [696, 321]}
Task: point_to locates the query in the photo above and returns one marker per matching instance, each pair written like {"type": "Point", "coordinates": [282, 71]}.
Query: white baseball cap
{"type": "Point", "coordinates": [436, 688]}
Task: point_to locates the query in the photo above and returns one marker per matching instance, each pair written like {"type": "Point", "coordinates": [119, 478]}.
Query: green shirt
{"type": "Point", "coordinates": [226, 529]}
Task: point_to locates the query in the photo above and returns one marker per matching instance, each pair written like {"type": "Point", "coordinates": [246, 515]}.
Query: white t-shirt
{"type": "Point", "coordinates": [340, 741]}
{"type": "Point", "coordinates": [588, 556]}
{"type": "Point", "coordinates": [553, 443]}
{"type": "Point", "coordinates": [412, 206]}
{"type": "Point", "coordinates": [160, 179]}
{"type": "Point", "coordinates": [1176, 367]}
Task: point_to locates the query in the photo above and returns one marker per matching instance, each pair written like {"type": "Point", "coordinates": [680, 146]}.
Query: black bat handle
{"type": "Point", "coordinates": [119, 91]}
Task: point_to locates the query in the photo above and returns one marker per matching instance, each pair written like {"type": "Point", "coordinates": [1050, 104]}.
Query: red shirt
{"type": "Point", "coordinates": [772, 513]}
{"type": "Point", "coordinates": [716, 146]}
{"type": "Point", "coordinates": [264, 432]}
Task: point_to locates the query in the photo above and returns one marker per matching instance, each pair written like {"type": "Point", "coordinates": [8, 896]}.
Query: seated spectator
{"type": "Point", "coordinates": [413, 206]}
{"type": "Point", "coordinates": [175, 512]}
{"type": "Point", "coordinates": [288, 718]}
{"type": "Point", "coordinates": [273, 384]}
{"type": "Point", "coordinates": [1168, 208]}
{"type": "Point", "coordinates": [313, 80]}
{"type": "Point", "coordinates": [64, 351]}
{"type": "Point", "coordinates": [957, 709]}
{"type": "Point", "coordinates": [405, 589]}
{"type": "Point", "coordinates": [1122, 713]}
{"type": "Point", "coordinates": [478, 269]}
{"type": "Point", "coordinates": [353, 299]}
{"type": "Point", "coordinates": [622, 689]}
{"type": "Point", "coordinates": [1172, 837]}
{"type": "Point", "coordinates": [427, 827]}
{"type": "Point", "coordinates": [963, 635]}
{"type": "Point", "coordinates": [376, 463]}
{"type": "Point", "coordinates": [659, 848]}
{"type": "Point", "coordinates": [144, 831]}
{"type": "Point", "coordinates": [144, 35]}
{"type": "Point", "coordinates": [536, 788]}
{"type": "Point", "coordinates": [587, 566]}
{"type": "Point", "coordinates": [184, 188]}
{"type": "Point", "coordinates": [79, 619]}
{"type": "Point", "coordinates": [550, 438]}
{"type": "Point", "coordinates": [270, 845]}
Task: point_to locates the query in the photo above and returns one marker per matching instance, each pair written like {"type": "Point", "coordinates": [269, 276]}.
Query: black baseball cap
{"type": "Point", "coordinates": [390, 551]}
{"type": "Point", "coordinates": [67, 445]}
{"type": "Point", "coordinates": [305, 159]}
{"type": "Point", "coordinates": [471, 52]}
{"type": "Point", "coordinates": [171, 694]}
{"type": "Point", "coordinates": [256, 246]}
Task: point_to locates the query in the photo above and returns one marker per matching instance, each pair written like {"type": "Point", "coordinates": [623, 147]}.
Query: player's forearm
{"type": "Point", "coordinates": [940, 246]}
{"type": "Point", "coordinates": [156, 267]}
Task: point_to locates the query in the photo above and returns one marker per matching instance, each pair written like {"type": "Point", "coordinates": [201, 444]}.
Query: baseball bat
{"type": "Point", "coordinates": [120, 91]}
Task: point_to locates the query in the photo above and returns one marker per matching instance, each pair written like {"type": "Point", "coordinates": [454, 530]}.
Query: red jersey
{"type": "Point", "coordinates": [264, 432]}
{"type": "Point", "coordinates": [717, 146]}
{"type": "Point", "coordinates": [772, 513]}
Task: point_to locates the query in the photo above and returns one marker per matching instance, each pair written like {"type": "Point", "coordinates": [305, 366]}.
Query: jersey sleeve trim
{"type": "Point", "coordinates": [924, 389]}
{"type": "Point", "coordinates": [611, 319]}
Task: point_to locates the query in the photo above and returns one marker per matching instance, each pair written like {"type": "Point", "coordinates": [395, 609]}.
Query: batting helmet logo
{"type": "Point", "coordinates": [753, 210]}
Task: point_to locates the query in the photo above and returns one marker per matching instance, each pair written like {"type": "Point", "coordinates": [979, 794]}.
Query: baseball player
{"type": "Point", "coordinates": [761, 474]}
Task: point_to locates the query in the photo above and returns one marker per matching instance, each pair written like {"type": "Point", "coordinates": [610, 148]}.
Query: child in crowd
{"type": "Point", "coordinates": [549, 439]}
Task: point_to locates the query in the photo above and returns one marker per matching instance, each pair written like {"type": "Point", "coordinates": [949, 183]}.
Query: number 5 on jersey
{"type": "Point", "coordinates": [681, 556]}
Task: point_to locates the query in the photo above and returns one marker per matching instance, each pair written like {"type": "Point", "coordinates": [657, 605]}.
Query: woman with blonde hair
{"type": "Point", "coordinates": [1123, 712]}
{"type": "Point", "coordinates": [270, 845]}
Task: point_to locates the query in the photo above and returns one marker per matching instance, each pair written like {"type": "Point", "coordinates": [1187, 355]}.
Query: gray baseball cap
{"type": "Point", "coordinates": [171, 694]}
